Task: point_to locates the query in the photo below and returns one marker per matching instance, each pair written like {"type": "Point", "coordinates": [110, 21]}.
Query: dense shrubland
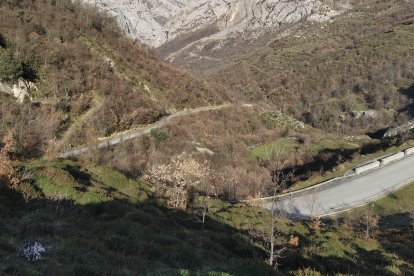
{"type": "Point", "coordinates": [75, 55]}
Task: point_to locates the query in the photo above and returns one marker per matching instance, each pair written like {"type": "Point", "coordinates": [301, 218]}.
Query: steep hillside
{"type": "Point", "coordinates": [203, 34]}
{"type": "Point", "coordinates": [94, 221]}
{"type": "Point", "coordinates": [351, 76]}
{"type": "Point", "coordinates": [78, 67]}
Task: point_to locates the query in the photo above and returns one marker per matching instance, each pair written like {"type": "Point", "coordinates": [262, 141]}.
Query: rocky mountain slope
{"type": "Point", "coordinates": [198, 30]}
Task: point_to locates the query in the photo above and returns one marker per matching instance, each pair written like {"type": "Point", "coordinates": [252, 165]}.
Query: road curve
{"type": "Point", "coordinates": [133, 134]}
{"type": "Point", "coordinates": [357, 191]}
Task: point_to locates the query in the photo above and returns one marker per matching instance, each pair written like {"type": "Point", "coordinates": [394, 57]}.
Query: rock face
{"type": "Point", "coordinates": [19, 90]}
{"type": "Point", "coordinates": [175, 25]}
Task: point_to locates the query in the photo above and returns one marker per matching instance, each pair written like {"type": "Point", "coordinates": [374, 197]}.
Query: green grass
{"type": "Point", "coordinates": [105, 223]}
{"type": "Point", "coordinates": [289, 145]}
{"type": "Point", "coordinates": [85, 185]}
{"type": "Point", "coordinates": [99, 222]}
{"type": "Point", "coordinates": [333, 144]}
{"type": "Point", "coordinates": [284, 146]}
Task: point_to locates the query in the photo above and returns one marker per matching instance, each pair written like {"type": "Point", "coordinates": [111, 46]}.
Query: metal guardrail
{"type": "Point", "coordinates": [338, 180]}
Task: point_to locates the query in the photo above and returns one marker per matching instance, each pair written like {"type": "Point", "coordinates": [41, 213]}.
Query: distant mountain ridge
{"type": "Point", "coordinates": [192, 25]}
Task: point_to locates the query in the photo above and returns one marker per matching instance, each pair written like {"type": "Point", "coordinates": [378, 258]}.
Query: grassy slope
{"type": "Point", "coordinates": [97, 221]}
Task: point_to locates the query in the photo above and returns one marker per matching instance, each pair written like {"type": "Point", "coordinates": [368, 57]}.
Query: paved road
{"type": "Point", "coordinates": [133, 134]}
{"type": "Point", "coordinates": [358, 191]}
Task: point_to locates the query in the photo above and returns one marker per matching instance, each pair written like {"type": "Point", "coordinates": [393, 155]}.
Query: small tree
{"type": "Point", "coordinates": [313, 205]}
{"type": "Point", "coordinates": [11, 69]}
{"type": "Point", "coordinates": [267, 234]}
{"type": "Point", "coordinates": [159, 135]}
{"type": "Point", "coordinates": [177, 177]}
{"type": "Point", "coordinates": [370, 222]}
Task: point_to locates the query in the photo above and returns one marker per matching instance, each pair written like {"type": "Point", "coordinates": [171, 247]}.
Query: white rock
{"type": "Point", "coordinates": [155, 22]}
{"type": "Point", "coordinates": [19, 90]}
{"type": "Point", "coordinates": [32, 251]}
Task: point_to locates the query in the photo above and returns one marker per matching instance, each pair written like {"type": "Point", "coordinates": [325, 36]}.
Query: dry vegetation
{"type": "Point", "coordinates": [87, 73]}
{"type": "Point", "coordinates": [325, 73]}
{"type": "Point", "coordinates": [99, 221]}
{"type": "Point", "coordinates": [53, 43]}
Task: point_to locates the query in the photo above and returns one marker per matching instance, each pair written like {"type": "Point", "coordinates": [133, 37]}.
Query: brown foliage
{"type": "Point", "coordinates": [76, 54]}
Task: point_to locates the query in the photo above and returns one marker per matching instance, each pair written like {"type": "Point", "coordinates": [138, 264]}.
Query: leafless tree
{"type": "Point", "coordinates": [370, 222]}
{"type": "Point", "coordinates": [314, 207]}
{"type": "Point", "coordinates": [267, 234]}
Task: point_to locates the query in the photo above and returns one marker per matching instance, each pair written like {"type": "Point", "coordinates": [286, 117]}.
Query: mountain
{"type": "Point", "coordinates": [192, 32]}
{"type": "Point", "coordinates": [85, 78]}
{"type": "Point", "coordinates": [162, 201]}
{"type": "Point", "coordinates": [352, 75]}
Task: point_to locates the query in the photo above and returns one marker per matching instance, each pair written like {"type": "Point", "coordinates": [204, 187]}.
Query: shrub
{"type": "Point", "coordinates": [159, 134]}
{"type": "Point", "coordinates": [10, 67]}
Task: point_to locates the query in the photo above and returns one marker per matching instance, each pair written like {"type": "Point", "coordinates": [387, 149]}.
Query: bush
{"type": "Point", "coordinates": [159, 134]}
{"type": "Point", "coordinates": [10, 67]}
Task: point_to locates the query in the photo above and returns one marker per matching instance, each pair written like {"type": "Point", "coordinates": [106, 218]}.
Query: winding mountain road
{"type": "Point", "coordinates": [355, 191]}
{"type": "Point", "coordinates": [139, 132]}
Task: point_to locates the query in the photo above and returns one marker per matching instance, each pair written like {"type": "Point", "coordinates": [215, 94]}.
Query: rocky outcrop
{"type": "Point", "coordinates": [177, 25]}
{"type": "Point", "coordinates": [20, 90]}
{"type": "Point", "coordinates": [367, 114]}
{"type": "Point", "coordinates": [157, 21]}
{"type": "Point", "coordinates": [392, 132]}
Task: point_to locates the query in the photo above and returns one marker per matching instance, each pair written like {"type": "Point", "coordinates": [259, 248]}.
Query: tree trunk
{"type": "Point", "coordinates": [272, 241]}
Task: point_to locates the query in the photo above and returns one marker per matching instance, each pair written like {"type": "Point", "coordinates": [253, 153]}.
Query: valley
{"type": "Point", "coordinates": [143, 137]}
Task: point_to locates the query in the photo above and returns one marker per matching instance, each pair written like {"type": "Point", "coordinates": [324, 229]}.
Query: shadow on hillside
{"type": "Point", "coordinates": [124, 238]}
{"type": "Point", "coordinates": [379, 134]}
{"type": "Point", "coordinates": [409, 93]}
{"type": "Point", "coordinates": [397, 236]}
{"type": "Point", "coordinates": [331, 259]}
{"type": "Point", "coordinates": [84, 178]}
{"type": "Point", "coordinates": [328, 159]}
{"type": "Point", "coordinates": [119, 238]}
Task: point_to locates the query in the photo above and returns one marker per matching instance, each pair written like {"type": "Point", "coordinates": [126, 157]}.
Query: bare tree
{"type": "Point", "coordinates": [202, 203]}
{"type": "Point", "coordinates": [177, 177]}
{"type": "Point", "coordinates": [314, 207]}
{"type": "Point", "coordinates": [267, 234]}
{"type": "Point", "coordinates": [370, 222]}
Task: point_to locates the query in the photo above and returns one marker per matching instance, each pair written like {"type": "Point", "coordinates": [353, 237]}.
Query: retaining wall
{"type": "Point", "coordinates": [392, 158]}
{"type": "Point", "coordinates": [409, 151]}
{"type": "Point", "coordinates": [367, 167]}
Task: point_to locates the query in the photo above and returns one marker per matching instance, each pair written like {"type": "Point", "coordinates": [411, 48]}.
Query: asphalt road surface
{"type": "Point", "coordinates": [358, 191]}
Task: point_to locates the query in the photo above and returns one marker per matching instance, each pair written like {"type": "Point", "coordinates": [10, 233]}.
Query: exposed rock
{"type": "Point", "coordinates": [191, 26]}
{"type": "Point", "coordinates": [366, 114]}
{"type": "Point", "coordinates": [205, 150]}
{"type": "Point", "coordinates": [392, 132]}
{"type": "Point", "coordinates": [156, 21]}
{"type": "Point", "coordinates": [32, 251]}
{"type": "Point", "coordinates": [20, 90]}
